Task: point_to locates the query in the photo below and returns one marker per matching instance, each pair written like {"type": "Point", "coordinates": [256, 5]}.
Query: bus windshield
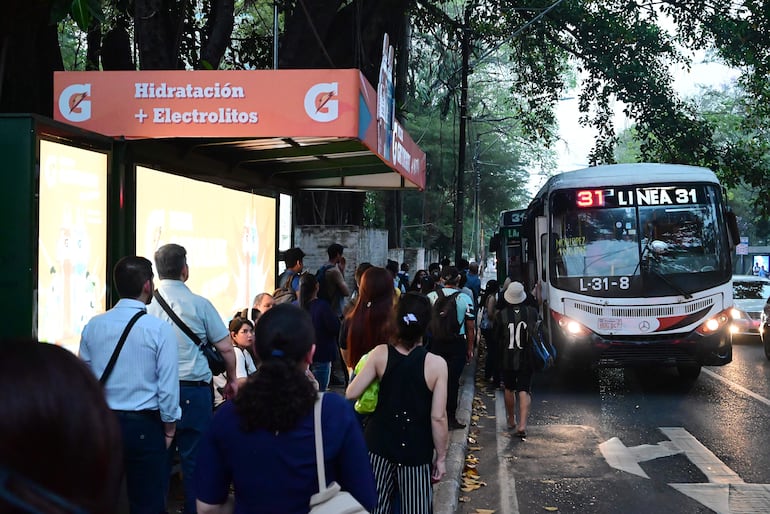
{"type": "Point", "coordinates": [618, 239]}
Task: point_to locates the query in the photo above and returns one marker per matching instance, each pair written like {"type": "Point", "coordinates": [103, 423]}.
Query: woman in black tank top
{"type": "Point", "coordinates": [407, 433]}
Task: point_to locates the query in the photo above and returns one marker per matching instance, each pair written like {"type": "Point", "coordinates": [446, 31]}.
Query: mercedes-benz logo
{"type": "Point", "coordinates": [644, 326]}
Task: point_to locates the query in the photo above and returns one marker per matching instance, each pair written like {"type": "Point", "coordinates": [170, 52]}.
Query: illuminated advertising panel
{"type": "Point", "coordinates": [229, 235]}
{"type": "Point", "coordinates": [72, 251]}
{"type": "Point", "coordinates": [284, 227]}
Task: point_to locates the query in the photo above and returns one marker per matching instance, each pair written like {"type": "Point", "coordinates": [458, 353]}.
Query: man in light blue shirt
{"type": "Point", "coordinates": [195, 389]}
{"type": "Point", "coordinates": [143, 387]}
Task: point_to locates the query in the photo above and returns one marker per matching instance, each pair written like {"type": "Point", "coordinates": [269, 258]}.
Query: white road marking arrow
{"type": "Point", "coordinates": [725, 492]}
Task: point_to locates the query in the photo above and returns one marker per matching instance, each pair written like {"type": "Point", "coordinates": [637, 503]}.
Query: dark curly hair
{"type": "Point", "coordinates": [279, 394]}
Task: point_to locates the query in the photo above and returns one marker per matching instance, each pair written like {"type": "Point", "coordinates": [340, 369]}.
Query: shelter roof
{"type": "Point", "coordinates": [295, 129]}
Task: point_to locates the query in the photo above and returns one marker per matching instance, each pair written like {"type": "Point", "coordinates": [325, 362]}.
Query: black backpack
{"type": "Point", "coordinates": [445, 325]}
{"type": "Point", "coordinates": [323, 287]}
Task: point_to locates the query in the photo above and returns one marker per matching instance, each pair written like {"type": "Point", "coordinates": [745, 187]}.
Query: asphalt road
{"type": "Point", "coordinates": [630, 441]}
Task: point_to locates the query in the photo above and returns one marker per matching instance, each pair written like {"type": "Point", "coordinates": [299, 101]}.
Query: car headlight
{"type": "Point", "coordinates": [736, 313]}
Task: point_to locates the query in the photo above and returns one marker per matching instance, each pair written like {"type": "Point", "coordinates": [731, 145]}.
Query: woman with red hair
{"type": "Point", "coordinates": [369, 322]}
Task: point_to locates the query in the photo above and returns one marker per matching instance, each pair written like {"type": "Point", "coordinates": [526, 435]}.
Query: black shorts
{"type": "Point", "coordinates": [517, 380]}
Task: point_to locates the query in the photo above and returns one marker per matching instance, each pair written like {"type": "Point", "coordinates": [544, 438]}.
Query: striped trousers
{"type": "Point", "coordinates": [412, 483]}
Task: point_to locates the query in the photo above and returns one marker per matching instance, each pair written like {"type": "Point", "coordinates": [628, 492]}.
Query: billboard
{"type": "Point", "coordinates": [229, 235]}
{"type": "Point", "coordinates": [72, 241]}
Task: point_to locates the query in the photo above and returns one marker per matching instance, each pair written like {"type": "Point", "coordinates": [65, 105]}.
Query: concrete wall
{"type": "Point", "coordinates": [361, 245]}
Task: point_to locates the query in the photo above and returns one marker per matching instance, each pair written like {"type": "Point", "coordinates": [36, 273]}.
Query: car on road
{"type": "Point", "coordinates": [750, 295]}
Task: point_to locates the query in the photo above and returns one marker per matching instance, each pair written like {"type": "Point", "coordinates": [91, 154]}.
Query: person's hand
{"type": "Point", "coordinates": [169, 430]}
{"type": "Point", "coordinates": [438, 470]}
{"type": "Point", "coordinates": [230, 389]}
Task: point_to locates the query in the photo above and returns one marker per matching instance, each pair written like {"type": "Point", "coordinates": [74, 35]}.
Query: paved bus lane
{"type": "Point", "coordinates": [627, 441]}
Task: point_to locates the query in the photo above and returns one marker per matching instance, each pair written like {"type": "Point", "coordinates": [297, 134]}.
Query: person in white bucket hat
{"type": "Point", "coordinates": [513, 324]}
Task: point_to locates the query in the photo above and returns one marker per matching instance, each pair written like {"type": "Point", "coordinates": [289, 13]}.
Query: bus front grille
{"type": "Point", "coordinates": [639, 311]}
{"type": "Point", "coordinates": [649, 354]}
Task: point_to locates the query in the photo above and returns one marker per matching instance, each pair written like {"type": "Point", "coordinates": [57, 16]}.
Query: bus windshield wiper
{"type": "Point", "coordinates": [669, 283]}
{"type": "Point", "coordinates": [652, 251]}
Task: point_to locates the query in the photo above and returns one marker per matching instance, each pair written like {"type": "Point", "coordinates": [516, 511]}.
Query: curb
{"type": "Point", "coordinates": [447, 492]}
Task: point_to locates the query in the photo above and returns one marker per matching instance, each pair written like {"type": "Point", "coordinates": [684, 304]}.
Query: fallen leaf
{"type": "Point", "coordinates": [475, 417]}
{"type": "Point", "coordinates": [464, 499]}
{"type": "Point", "coordinates": [485, 511]}
{"type": "Point", "coordinates": [470, 488]}
{"type": "Point", "coordinates": [474, 448]}
{"type": "Point", "coordinates": [551, 509]}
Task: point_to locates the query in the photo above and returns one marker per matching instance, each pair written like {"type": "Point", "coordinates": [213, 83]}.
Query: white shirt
{"type": "Point", "coordinates": [145, 376]}
{"type": "Point", "coordinates": [244, 366]}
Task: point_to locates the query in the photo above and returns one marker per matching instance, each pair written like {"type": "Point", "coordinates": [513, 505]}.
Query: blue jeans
{"type": "Point", "coordinates": [196, 403]}
{"type": "Point", "coordinates": [144, 461]}
{"type": "Point", "coordinates": [322, 372]}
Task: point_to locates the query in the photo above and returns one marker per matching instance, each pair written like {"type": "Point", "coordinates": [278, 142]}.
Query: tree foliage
{"type": "Point", "coordinates": [621, 51]}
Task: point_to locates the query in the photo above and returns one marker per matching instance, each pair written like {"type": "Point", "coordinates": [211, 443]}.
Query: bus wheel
{"type": "Point", "coordinates": [689, 372]}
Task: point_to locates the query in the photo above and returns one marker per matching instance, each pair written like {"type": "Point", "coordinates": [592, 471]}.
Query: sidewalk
{"type": "Point", "coordinates": [447, 492]}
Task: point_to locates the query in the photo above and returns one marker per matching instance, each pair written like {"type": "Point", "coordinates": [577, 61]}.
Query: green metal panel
{"type": "Point", "coordinates": [121, 208]}
{"type": "Point", "coordinates": [18, 212]}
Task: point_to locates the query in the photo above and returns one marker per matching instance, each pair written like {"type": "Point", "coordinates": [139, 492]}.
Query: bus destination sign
{"type": "Point", "coordinates": [631, 197]}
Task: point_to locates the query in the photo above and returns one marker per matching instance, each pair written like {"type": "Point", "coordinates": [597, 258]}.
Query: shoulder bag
{"type": "Point", "coordinates": [367, 402]}
{"type": "Point", "coordinates": [331, 499]}
{"type": "Point", "coordinates": [214, 358]}
{"type": "Point", "coordinates": [111, 364]}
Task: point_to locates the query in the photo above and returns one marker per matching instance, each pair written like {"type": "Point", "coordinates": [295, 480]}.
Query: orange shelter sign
{"type": "Point", "coordinates": [234, 104]}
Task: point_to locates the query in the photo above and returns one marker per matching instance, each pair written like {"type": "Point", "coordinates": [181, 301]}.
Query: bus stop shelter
{"type": "Point", "coordinates": [287, 129]}
{"type": "Point", "coordinates": [208, 159]}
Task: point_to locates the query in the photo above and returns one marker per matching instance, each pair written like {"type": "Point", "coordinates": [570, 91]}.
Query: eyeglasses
{"type": "Point", "coordinates": [12, 484]}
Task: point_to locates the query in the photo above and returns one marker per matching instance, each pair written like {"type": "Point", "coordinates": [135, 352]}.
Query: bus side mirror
{"type": "Point", "coordinates": [732, 228]}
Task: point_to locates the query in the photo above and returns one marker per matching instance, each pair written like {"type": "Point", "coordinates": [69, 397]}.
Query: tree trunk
{"type": "Point", "coordinates": [116, 49]}
{"type": "Point", "coordinates": [219, 28]}
{"type": "Point", "coordinates": [340, 36]}
{"type": "Point", "coordinates": [28, 58]}
{"type": "Point", "coordinates": [94, 45]}
{"type": "Point", "coordinates": [156, 29]}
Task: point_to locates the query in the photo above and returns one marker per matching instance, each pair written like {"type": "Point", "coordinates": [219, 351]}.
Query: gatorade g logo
{"type": "Point", "coordinates": [321, 102]}
{"type": "Point", "coordinates": [74, 103]}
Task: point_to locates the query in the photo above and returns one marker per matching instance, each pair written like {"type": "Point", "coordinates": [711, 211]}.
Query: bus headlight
{"type": "Point", "coordinates": [570, 326]}
{"type": "Point", "coordinates": [715, 323]}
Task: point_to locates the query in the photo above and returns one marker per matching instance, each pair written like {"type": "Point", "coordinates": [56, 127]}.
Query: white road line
{"type": "Point", "coordinates": [509, 502]}
{"type": "Point", "coordinates": [735, 386]}
{"type": "Point", "coordinates": [716, 471]}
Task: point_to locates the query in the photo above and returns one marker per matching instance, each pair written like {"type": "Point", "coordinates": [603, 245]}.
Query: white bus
{"type": "Point", "coordinates": [632, 266]}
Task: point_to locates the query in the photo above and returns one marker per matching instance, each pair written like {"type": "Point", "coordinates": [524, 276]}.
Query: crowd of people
{"type": "Point", "coordinates": [244, 439]}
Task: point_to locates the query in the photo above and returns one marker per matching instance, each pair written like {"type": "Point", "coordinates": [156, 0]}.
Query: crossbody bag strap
{"type": "Point", "coordinates": [119, 346]}
{"type": "Point", "coordinates": [319, 444]}
{"type": "Point", "coordinates": [171, 314]}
